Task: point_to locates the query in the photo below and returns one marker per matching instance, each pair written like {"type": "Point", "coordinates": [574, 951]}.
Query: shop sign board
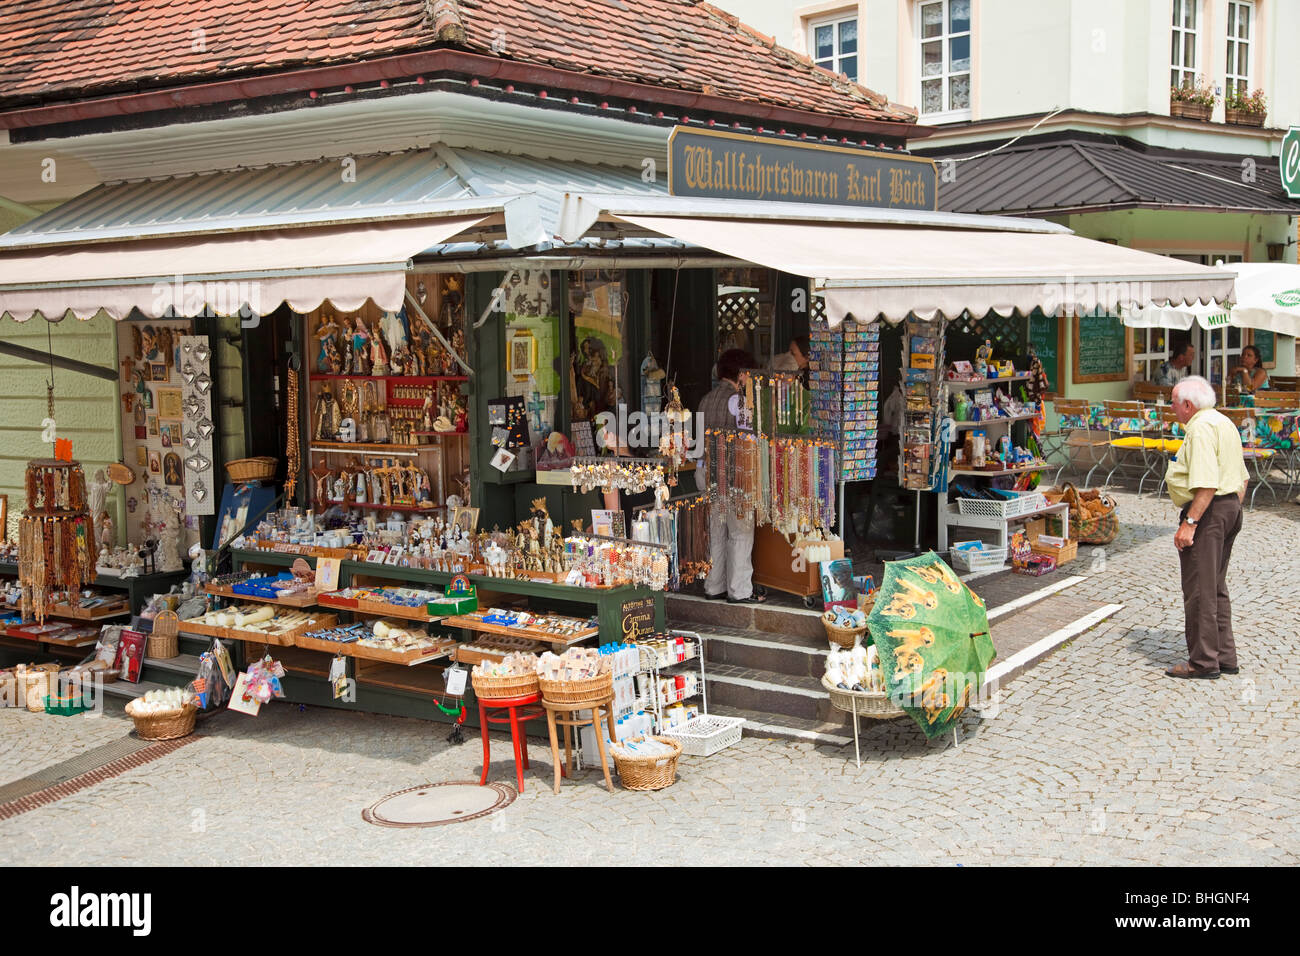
{"type": "Point", "coordinates": [720, 165]}
{"type": "Point", "coordinates": [1289, 162]}
{"type": "Point", "coordinates": [637, 618]}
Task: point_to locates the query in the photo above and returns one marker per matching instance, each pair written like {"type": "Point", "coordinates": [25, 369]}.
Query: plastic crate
{"type": "Point", "coordinates": [1007, 508]}
{"type": "Point", "coordinates": [989, 559]}
{"type": "Point", "coordinates": [705, 735]}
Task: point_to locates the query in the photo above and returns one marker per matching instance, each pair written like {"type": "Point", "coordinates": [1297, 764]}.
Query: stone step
{"type": "Point", "coordinates": [696, 612]}
{"type": "Point", "coordinates": [763, 651]}
{"type": "Point", "coordinates": [767, 726]}
{"type": "Point", "coordinates": [753, 689]}
{"type": "Point", "coordinates": [179, 669]}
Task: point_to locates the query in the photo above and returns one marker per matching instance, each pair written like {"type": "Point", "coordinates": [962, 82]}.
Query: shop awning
{"type": "Point", "coordinates": [251, 272]}
{"type": "Point", "coordinates": [890, 263]}
{"type": "Point", "coordinates": [1267, 294]}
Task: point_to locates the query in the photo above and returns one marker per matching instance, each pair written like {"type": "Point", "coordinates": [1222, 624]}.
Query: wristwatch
{"type": "Point", "coordinates": [1191, 521]}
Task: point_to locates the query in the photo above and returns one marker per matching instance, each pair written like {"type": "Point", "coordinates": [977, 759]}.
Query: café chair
{"type": "Point", "coordinates": [1073, 435]}
{"type": "Point", "coordinates": [1131, 434]}
{"type": "Point", "coordinates": [1259, 460]}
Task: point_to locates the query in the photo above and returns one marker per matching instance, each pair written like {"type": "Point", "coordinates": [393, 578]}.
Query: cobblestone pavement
{"type": "Point", "coordinates": [1093, 757]}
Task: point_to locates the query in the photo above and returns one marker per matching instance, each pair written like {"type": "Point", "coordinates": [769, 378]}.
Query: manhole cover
{"type": "Point", "coordinates": [435, 804]}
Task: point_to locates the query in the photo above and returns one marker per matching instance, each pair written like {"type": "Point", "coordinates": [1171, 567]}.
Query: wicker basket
{"type": "Point", "coordinates": [577, 691]}
{"type": "Point", "coordinates": [487, 688]}
{"type": "Point", "coordinates": [846, 637]}
{"type": "Point", "coordinates": [165, 726]}
{"type": "Point", "coordinates": [648, 773]}
{"type": "Point", "coordinates": [163, 643]}
{"type": "Point", "coordinates": [872, 703]}
{"type": "Point", "coordinates": [35, 688]}
{"type": "Point", "coordinates": [252, 469]}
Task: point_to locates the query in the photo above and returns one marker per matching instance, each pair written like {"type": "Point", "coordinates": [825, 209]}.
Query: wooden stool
{"type": "Point", "coordinates": [519, 710]}
{"type": "Point", "coordinates": [555, 714]}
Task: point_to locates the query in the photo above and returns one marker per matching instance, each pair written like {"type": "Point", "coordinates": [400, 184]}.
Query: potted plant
{"type": "Point", "coordinates": [1192, 101]}
{"type": "Point", "coordinates": [1245, 109]}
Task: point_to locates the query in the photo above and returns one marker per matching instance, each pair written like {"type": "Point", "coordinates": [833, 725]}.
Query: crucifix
{"type": "Point", "coordinates": [535, 407]}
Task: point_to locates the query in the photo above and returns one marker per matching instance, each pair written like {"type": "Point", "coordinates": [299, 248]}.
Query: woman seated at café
{"type": "Point", "coordinates": [1250, 376]}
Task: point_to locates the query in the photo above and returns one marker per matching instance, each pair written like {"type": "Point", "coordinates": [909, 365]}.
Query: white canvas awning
{"type": "Point", "coordinates": [1267, 297]}
{"type": "Point", "coordinates": [873, 262]}
{"type": "Point", "coordinates": [251, 271]}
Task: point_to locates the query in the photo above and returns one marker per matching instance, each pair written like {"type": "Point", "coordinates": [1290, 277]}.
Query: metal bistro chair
{"type": "Point", "coordinates": [1259, 460]}
{"type": "Point", "coordinates": [1153, 394]}
{"type": "Point", "coordinates": [1170, 443]}
{"type": "Point", "coordinates": [1073, 436]}
{"type": "Point", "coordinates": [1129, 428]}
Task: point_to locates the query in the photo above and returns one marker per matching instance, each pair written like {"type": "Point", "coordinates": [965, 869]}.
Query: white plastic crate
{"type": "Point", "coordinates": [1009, 508]}
{"type": "Point", "coordinates": [989, 559]}
{"type": "Point", "coordinates": [706, 734]}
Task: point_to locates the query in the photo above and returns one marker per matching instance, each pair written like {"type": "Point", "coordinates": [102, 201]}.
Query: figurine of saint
{"type": "Point", "coordinates": [360, 347]}
{"type": "Point", "coordinates": [983, 355]}
{"type": "Point", "coordinates": [327, 415]}
{"type": "Point", "coordinates": [325, 334]}
{"type": "Point", "coordinates": [378, 354]}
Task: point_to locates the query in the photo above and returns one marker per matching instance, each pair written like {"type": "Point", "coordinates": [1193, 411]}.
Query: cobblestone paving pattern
{"type": "Point", "coordinates": [1093, 757]}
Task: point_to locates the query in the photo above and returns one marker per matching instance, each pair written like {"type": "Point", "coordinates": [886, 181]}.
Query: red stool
{"type": "Point", "coordinates": [519, 709]}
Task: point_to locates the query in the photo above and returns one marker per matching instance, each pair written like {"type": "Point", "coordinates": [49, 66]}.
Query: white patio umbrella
{"type": "Point", "coordinates": [1268, 297]}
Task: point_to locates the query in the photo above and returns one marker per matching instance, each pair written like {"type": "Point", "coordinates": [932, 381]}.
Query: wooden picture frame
{"type": "Point", "coordinates": [521, 354]}
{"type": "Point", "coordinates": [4, 518]}
{"type": "Point", "coordinates": [1122, 375]}
{"type": "Point", "coordinates": [169, 403]}
{"type": "Point", "coordinates": [470, 523]}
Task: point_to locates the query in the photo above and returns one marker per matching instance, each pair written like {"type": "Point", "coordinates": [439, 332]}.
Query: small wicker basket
{"type": "Point", "coordinates": [252, 469]}
{"type": "Point", "coordinates": [167, 725]}
{"type": "Point", "coordinates": [648, 773]}
{"type": "Point", "coordinates": [872, 703]}
{"type": "Point", "coordinates": [577, 691]}
{"type": "Point", "coordinates": [487, 688]}
{"type": "Point", "coordinates": [845, 637]}
{"type": "Point", "coordinates": [163, 643]}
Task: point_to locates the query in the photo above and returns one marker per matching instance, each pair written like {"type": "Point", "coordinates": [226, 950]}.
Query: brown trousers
{"type": "Point", "coordinates": [1206, 606]}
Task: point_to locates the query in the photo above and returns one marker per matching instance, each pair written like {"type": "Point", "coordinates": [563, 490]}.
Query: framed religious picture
{"type": "Point", "coordinates": [140, 433]}
{"type": "Point", "coordinates": [153, 426]}
{"type": "Point", "coordinates": [129, 660]}
{"type": "Point", "coordinates": [4, 517]}
{"type": "Point", "coordinates": [466, 519]}
{"type": "Point", "coordinates": [142, 456]}
{"type": "Point", "coordinates": [165, 433]}
{"type": "Point", "coordinates": [521, 354]}
{"type": "Point", "coordinates": [172, 468]}
{"type": "Point", "coordinates": [158, 371]}
{"type": "Point", "coordinates": [155, 463]}
{"type": "Point", "coordinates": [169, 403]}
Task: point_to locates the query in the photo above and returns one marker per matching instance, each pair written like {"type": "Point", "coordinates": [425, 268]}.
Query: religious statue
{"type": "Point", "coordinates": [325, 334]}
{"type": "Point", "coordinates": [360, 347]}
{"type": "Point", "coordinates": [169, 542]}
{"type": "Point", "coordinates": [327, 415]}
{"type": "Point", "coordinates": [983, 355]}
{"type": "Point", "coordinates": [332, 361]}
{"type": "Point", "coordinates": [378, 355]}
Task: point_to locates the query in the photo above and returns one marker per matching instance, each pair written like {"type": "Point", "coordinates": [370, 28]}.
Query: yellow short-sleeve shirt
{"type": "Point", "coordinates": [1211, 457]}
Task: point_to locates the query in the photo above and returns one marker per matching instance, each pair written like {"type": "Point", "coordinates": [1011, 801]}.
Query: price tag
{"type": "Point", "coordinates": [455, 678]}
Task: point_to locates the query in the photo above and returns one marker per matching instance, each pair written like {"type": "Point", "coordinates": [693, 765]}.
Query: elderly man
{"type": "Point", "coordinates": [1208, 482]}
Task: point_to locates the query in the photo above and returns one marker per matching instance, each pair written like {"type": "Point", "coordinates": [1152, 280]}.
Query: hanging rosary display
{"type": "Point", "coordinates": [292, 450]}
{"type": "Point", "coordinates": [788, 483]}
{"type": "Point", "coordinates": [56, 538]}
{"type": "Point", "coordinates": [683, 524]}
{"type": "Point", "coordinates": [781, 403]}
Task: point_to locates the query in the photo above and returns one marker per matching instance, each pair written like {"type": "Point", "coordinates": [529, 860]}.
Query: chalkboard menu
{"type": "Point", "coordinates": [1101, 349]}
{"type": "Point", "coordinates": [1266, 342]}
{"type": "Point", "coordinates": [1045, 337]}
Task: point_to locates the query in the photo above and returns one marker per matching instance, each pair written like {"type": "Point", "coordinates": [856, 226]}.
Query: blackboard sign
{"type": "Point", "coordinates": [1101, 349]}
{"type": "Point", "coordinates": [637, 618]}
{"type": "Point", "coordinates": [1045, 337]}
{"type": "Point", "coordinates": [1266, 342]}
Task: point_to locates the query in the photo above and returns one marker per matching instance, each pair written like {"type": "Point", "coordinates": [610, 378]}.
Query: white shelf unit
{"type": "Point", "coordinates": [652, 699]}
{"type": "Point", "coordinates": [949, 516]}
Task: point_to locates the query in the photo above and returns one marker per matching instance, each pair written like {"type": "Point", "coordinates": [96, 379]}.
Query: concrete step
{"type": "Point", "coordinates": [769, 726]}
{"type": "Point", "coordinates": [754, 689]}
{"type": "Point", "coordinates": [764, 651]}
{"type": "Point", "coordinates": [696, 612]}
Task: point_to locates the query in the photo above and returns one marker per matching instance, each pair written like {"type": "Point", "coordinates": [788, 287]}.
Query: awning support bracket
{"type": "Point", "coordinates": [58, 361]}
{"type": "Point", "coordinates": [414, 304]}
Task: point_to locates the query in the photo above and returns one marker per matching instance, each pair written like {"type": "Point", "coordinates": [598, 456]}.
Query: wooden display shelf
{"type": "Point", "coordinates": [427, 680]}
{"type": "Point", "coordinates": [404, 658]}
{"type": "Point", "coordinates": [84, 640]}
{"type": "Point", "coordinates": [365, 448]}
{"type": "Point", "coordinates": [300, 600]}
{"type": "Point", "coordinates": [1019, 469]}
{"type": "Point", "coordinates": [543, 637]}
{"type": "Point", "coordinates": [419, 614]}
{"type": "Point", "coordinates": [957, 386]}
{"type": "Point", "coordinates": [82, 614]}
{"type": "Point", "coordinates": [995, 421]}
{"type": "Point", "coordinates": [411, 379]}
{"type": "Point", "coordinates": [296, 661]}
{"type": "Point", "coordinates": [234, 633]}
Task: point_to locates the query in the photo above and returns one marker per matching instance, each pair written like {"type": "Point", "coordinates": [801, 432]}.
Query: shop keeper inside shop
{"type": "Point", "coordinates": [733, 171]}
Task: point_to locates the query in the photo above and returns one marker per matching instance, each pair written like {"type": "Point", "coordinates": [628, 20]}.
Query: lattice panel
{"type": "Point", "coordinates": [1007, 333]}
{"type": "Point", "coordinates": [818, 316]}
{"type": "Point", "coordinates": [738, 312]}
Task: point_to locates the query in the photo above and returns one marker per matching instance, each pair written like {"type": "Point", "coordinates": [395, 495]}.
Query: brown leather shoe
{"type": "Point", "coordinates": [1185, 670]}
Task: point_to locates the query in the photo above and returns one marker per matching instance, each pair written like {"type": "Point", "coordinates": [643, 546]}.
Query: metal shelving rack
{"type": "Point", "coordinates": [652, 670]}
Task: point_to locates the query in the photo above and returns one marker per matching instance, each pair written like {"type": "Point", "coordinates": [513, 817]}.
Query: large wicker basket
{"type": "Point", "coordinates": [252, 469]}
{"type": "Point", "coordinates": [163, 643]}
{"type": "Point", "coordinates": [863, 703]}
{"type": "Point", "coordinates": [648, 773]}
{"type": "Point", "coordinates": [165, 726]}
{"type": "Point", "coordinates": [487, 688]}
{"type": "Point", "coordinates": [577, 691]}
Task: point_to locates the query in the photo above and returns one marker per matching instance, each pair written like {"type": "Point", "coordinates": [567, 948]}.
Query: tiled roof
{"type": "Point", "coordinates": [1042, 175]}
{"type": "Point", "coordinates": [69, 49]}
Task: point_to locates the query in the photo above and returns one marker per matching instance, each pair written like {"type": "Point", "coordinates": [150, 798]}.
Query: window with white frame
{"type": "Point", "coordinates": [834, 44]}
{"type": "Point", "coordinates": [943, 28]}
{"type": "Point", "coordinates": [1183, 41]}
{"type": "Point", "coordinates": [1241, 21]}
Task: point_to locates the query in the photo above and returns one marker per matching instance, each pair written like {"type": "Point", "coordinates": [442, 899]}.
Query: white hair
{"type": "Point", "coordinates": [1195, 390]}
